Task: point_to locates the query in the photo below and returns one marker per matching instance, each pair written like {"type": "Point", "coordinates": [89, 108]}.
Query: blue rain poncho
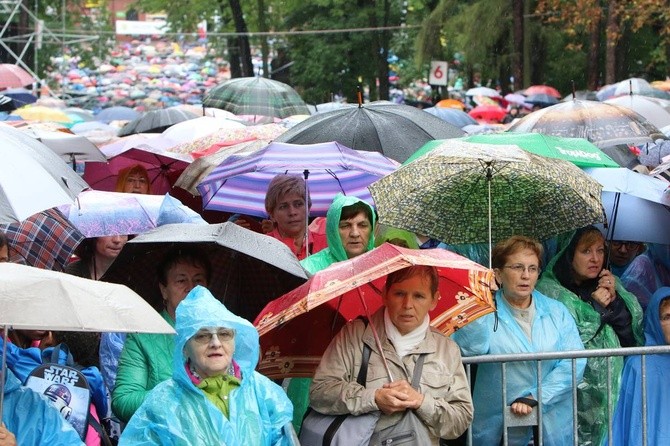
{"type": "Point", "coordinates": [627, 424]}
{"type": "Point", "coordinates": [32, 419]}
{"type": "Point", "coordinates": [553, 330]}
{"type": "Point", "coordinates": [176, 412]}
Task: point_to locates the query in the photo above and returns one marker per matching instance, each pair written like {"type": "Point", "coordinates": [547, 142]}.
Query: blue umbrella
{"type": "Point", "coordinates": [452, 115]}
{"type": "Point", "coordinates": [117, 113]}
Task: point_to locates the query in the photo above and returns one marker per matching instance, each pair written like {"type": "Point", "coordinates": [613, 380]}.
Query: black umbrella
{"type": "Point", "coordinates": [396, 131]}
{"type": "Point", "coordinates": [156, 121]}
{"type": "Point", "coordinates": [248, 269]}
{"type": "Point", "coordinates": [542, 99]}
{"type": "Point", "coordinates": [6, 104]}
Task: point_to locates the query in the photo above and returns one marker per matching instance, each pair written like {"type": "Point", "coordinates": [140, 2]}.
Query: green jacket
{"type": "Point", "coordinates": [146, 361]}
{"type": "Point", "coordinates": [592, 392]}
{"type": "Point", "coordinates": [335, 251]}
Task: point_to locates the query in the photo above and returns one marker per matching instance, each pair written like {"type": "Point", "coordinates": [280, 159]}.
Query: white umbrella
{"type": "Point", "coordinates": [192, 129]}
{"type": "Point", "coordinates": [34, 298]}
{"type": "Point", "coordinates": [483, 91]}
{"type": "Point", "coordinates": [654, 110]}
{"type": "Point", "coordinates": [32, 177]}
{"type": "Point", "coordinates": [68, 146]}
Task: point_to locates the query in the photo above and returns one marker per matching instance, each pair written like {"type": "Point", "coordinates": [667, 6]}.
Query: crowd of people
{"type": "Point", "coordinates": [575, 292]}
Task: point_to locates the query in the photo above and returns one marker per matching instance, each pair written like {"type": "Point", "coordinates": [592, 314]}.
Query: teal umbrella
{"type": "Point", "coordinates": [578, 151]}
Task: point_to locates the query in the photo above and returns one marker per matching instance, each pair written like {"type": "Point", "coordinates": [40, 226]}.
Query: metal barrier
{"type": "Point", "coordinates": [535, 418]}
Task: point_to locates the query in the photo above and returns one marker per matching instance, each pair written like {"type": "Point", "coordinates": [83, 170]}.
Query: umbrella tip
{"type": "Point", "coordinates": [359, 95]}
{"type": "Point", "coordinates": [574, 93]}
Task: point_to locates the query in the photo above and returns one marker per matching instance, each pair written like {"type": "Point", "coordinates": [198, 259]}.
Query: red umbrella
{"type": "Point", "coordinates": [13, 76]}
{"type": "Point", "coordinates": [543, 89]}
{"type": "Point", "coordinates": [488, 113]}
{"type": "Point", "coordinates": [297, 327]}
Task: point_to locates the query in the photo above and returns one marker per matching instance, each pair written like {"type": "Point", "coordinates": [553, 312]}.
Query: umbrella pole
{"type": "Point", "coordinates": [378, 341]}
{"type": "Point", "coordinates": [3, 369]}
{"type": "Point", "coordinates": [609, 236]}
{"type": "Point", "coordinates": [489, 176]}
{"type": "Point", "coordinates": [306, 241]}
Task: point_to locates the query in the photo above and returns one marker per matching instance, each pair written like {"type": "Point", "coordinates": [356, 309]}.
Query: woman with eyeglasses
{"type": "Point", "coordinates": [526, 321]}
{"type": "Point", "coordinates": [607, 316]}
{"type": "Point", "coordinates": [215, 397]}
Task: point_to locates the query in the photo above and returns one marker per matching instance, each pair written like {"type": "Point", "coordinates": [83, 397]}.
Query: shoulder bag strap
{"type": "Point", "coordinates": [418, 368]}
{"type": "Point", "coordinates": [363, 372]}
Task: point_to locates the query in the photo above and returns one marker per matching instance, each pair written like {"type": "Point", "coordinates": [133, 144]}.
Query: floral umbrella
{"type": "Point", "coordinates": [297, 327]}
{"type": "Point", "coordinates": [203, 146]}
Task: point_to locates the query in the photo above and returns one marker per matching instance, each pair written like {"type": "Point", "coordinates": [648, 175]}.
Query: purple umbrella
{"type": "Point", "coordinates": [239, 184]}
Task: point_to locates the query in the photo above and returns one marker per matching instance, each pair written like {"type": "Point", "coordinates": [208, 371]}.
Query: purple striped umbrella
{"type": "Point", "coordinates": [239, 184]}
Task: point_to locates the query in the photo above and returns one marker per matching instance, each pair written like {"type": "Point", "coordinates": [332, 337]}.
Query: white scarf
{"type": "Point", "coordinates": [405, 343]}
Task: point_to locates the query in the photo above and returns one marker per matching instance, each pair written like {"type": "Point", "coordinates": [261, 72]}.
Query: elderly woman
{"type": "Point", "coordinates": [607, 316]}
{"type": "Point", "coordinates": [214, 397]}
{"type": "Point", "coordinates": [133, 179]}
{"type": "Point", "coordinates": [528, 322]}
{"type": "Point", "coordinates": [442, 401]}
{"type": "Point", "coordinates": [145, 359]}
{"type": "Point", "coordinates": [285, 204]}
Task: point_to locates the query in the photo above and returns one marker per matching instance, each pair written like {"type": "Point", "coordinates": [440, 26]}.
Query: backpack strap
{"type": "Point", "coordinates": [104, 438]}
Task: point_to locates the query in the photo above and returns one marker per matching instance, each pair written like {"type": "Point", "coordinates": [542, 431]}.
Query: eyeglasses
{"type": "Point", "coordinates": [206, 336]}
{"type": "Point", "coordinates": [519, 268]}
{"type": "Point", "coordinates": [616, 244]}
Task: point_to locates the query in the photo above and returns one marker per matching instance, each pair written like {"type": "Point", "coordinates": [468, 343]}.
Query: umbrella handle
{"type": "Point", "coordinates": [3, 369]}
{"type": "Point", "coordinates": [378, 342]}
{"type": "Point", "coordinates": [306, 242]}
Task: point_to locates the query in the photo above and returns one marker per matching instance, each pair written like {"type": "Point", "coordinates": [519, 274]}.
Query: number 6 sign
{"type": "Point", "coordinates": [438, 73]}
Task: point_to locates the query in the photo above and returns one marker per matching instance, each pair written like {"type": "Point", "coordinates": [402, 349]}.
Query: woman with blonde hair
{"type": "Point", "coordinates": [133, 179]}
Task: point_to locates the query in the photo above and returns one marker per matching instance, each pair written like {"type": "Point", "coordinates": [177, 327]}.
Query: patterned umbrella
{"type": "Point", "coordinates": [475, 193]}
{"type": "Point", "coordinates": [256, 96]}
{"type": "Point", "coordinates": [239, 184]}
{"type": "Point", "coordinates": [297, 327]}
{"type": "Point", "coordinates": [45, 240]}
{"type": "Point", "coordinates": [14, 76]}
{"type": "Point", "coordinates": [203, 146]}
{"type": "Point", "coordinates": [603, 124]}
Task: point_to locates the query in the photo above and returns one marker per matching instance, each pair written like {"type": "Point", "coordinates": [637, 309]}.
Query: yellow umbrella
{"type": "Point", "coordinates": [41, 113]}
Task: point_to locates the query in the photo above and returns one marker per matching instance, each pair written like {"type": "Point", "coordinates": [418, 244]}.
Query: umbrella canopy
{"type": "Point", "coordinates": [394, 130]}
{"type": "Point", "coordinates": [633, 85]}
{"type": "Point", "coordinates": [654, 110]}
{"type": "Point", "coordinates": [240, 183]}
{"type": "Point", "coordinates": [156, 121]}
{"type": "Point", "coordinates": [541, 99]}
{"type": "Point", "coordinates": [453, 116]}
{"type": "Point", "coordinates": [20, 96]}
{"type": "Point", "coordinates": [488, 113]}
{"type": "Point", "coordinates": [603, 124]}
{"type": "Point", "coordinates": [187, 131]}
{"type": "Point", "coordinates": [68, 146]}
{"type": "Point", "coordinates": [256, 96]}
{"type": "Point", "coordinates": [45, 240]}
{"type": "Point", "coordinates": [12, 76]}
{"type": "Point", "coordinates": [450, 103]}
{"type": "Point", "coordinates": [636, 205]}
{"type": "Point", "coordinates": [463, 192]}
{"type": "Point", "coordinates": [249, 269]}
{"type": "Point", "coordinates": [32, 177]}
{"type": "Point", "coordinates": [100, 213]}
{"type": "Point", "coordinates": [117, 113]}
{"type": "Point", "coordinates": [542, 89]}
{"type": "Point", "coordinates": [210, 144]}
{"type": "Point", "coordinates": [42, 113]}
{"type": "Point", "coordinates": [483, 91]}
{"type": "Point", "coordinates": [296, 328]}
{"type": "Point", "coordinates": [578, 151]}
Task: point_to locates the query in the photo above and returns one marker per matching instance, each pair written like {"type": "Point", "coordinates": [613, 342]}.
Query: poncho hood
{"type": "Point", "coordinates": [653, 334]}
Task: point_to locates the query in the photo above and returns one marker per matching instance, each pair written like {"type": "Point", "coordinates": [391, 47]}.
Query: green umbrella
{"type": "Point", "coordinates": [463, 192]}
{"type": "Point", "coordinates": [578, 151]}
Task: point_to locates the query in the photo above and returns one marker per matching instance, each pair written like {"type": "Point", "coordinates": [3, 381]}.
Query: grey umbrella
{"type": "Point", "coordinates": [248, 269]}
{"type": "Point", "coordinates": [155, 121]}
{"type": "Point", "coordinates": [453, 116]}
{"type": "Point", "coordinates": [392, 129]}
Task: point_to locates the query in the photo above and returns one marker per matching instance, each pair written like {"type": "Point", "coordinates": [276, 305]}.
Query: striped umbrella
{"type": "Point", "coordinates": [256, 96]}
{"type": "Point", "coordinates": [239, 184]}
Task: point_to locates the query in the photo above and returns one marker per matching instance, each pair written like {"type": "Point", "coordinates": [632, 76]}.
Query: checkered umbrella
{"type": "Point", "coordinates": [45, 240]}
{"type": "Point", "coordinates": [256, 96]}
{"type": "Point", "coordinates": [14, 76]}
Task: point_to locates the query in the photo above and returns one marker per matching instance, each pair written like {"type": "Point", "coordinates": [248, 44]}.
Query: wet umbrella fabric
{"type": "Point", "coordinates": [117, 113]}
{"type": "Point", "coordinates": [156, 121]}
{"type": "Point", "coordinates": [498, 191]}
{"type": "Point", "coordinates": [603, 124]}
{"type": "Point", "coordinates": [453, 116]}
{"type": "Point", "coordinates": [45, 240]}
{"type": "Point", "coordinates": [12, 76]}
{"type": "Point", "coordinates": [249, 269]}
{"type": "Point", "coordinates": [240, 183]}
{"type": "Point", "coordinates": [32, 177]}
{"type": "Point", "coordinates": [654, 110]}
{"type": "Point", "coordinates": [256, 96]}
{"type": "Point", "coordinates": [297, 327]}
{"type": "Point", "coordinates": [542, 89]}
{"type": "Point", "coordinates": [68, 146]}
{"type": "Point", "coordinates": [394, 130]}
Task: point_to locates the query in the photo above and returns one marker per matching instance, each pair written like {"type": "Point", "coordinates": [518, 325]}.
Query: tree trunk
{"type": "Point", "coordinates": [383, 54]}
{"type": "Point", "coordinates": [517, 44]}
{"type": "Point", "coordinates": [262, 27]}
{"type": "Point", "coordinates": [593, 57]}
{"type": "Point", "coordinates": [613, 33]}
{"type": "Point", "coordinates": [242, 40]}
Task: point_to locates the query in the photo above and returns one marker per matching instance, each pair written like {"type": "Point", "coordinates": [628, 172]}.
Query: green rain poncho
{"type": "Point", "coordinates": [592, 392]}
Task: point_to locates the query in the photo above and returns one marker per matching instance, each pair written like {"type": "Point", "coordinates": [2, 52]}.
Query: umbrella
{"type": "Point", "coordinates": [483, 91]}
{"type": "Point", "coordinates": [45, 240]}
{"type": "Point", "coordinates": [603, 124]}
{"type": "Point", "coordinates": [163, 168]}
{"type": "Point", "coordinates": [578, 151]}
{"type": "Point", "coordinates": [296, 328]}
{"type": "Point", "coordinates": [453, 116]}
{"type": "Point", "coordinates": [632, 85]}
{"type": "Point", "coordinates": [450, 103]}
{"type": "Point", "coordinates": [588, 95]}
{"type": "Point", "coordinates": [6, 104]}
{"type": "Point", "coordinates": [156, 121]}
{"type": "Point", "coordinates": [187, 131]}
{"type": "Point", "coordinates": [70, 147]}
{"type": "Point", "coordinates": [249, 269]}
{"type": "Point", "coordinates": [654, 110]}
{"type": "Point", "coordinates": [488, 113]}
{"type": "Point", "coordinates": [32, 177]}
{"type": "Point", "coordinates": [256, 96]}
{"type": "Point", "coordinates": [515, 98]}
{"type": "Point", "coordinates": [392, 129]}
{"type": "Point", "coordinates": [463, 192]}
{"type": "Point", "coordinates": [208, 145]}
{"type": "Point", "coordinates": [100, 213]}
{"type": "Point", "coordinates": [117, 113]}
{"type": "Point", "coordinates": [542, 89]}
{"type": "Point", "coordinates": [14, 76]}
{"type": "Point", "coordinates": [42, 113]}
{"type": "Point", "coordinates": [239, 184]}
{"type": "Point", "coordinates": [636, 205]}
{"type": "Point", "coordinates": [20, 96]}
{"type": "Point", "coordinates": [541, 99]}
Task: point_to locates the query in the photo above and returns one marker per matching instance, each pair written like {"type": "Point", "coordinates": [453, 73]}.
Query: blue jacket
{"type": "Point", "coordinates": [32, 419]}
{"type": "Point", "coordinates": [627, 423]}
{"type": "Point", "coordinates": [553, 330]}
{"type": "Point", "coordinates": [176, 412]}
